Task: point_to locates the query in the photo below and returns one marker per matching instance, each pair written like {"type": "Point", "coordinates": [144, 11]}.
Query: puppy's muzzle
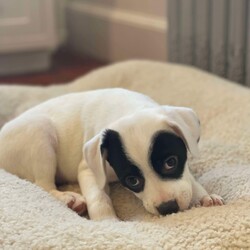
{"type": "Point", "coordinates": [168, 207]}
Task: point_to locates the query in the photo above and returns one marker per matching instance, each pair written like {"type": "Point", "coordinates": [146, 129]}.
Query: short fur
{"type": "Point", "coordinates": [71, 138]}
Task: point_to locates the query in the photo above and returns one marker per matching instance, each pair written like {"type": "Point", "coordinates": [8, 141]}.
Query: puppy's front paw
{"type": "Point", "coordinates": [73, 200]}
{"type": "Point", "coordinates": [211, 200]}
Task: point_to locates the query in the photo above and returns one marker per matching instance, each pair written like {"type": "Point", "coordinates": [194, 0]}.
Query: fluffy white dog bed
{"type": "Point", "coordinates": [32, 219]}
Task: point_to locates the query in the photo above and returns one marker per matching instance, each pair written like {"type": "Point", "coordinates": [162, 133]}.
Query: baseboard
{"type": "Point", "coordinates": [114, 34]}
{"type": "Point", "coordinates": [24, 62]}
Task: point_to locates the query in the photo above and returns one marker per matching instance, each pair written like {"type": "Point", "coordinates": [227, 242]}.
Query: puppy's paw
{"type": "Point", "coordinates": [211, 200]}
{"type": "Point", "coordinates": [77, 203]}
{"type": "Point", "coordinates": [74, 201]}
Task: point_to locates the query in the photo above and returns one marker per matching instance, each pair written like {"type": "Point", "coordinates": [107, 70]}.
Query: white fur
{"type": "Point", "coordinates": [61, 139]}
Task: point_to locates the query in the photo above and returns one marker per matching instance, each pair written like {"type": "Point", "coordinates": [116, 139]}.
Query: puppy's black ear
{"type": "Point", "coordinates": [111, 147]}
{"type": "Point", "coordinates": [109, 141]}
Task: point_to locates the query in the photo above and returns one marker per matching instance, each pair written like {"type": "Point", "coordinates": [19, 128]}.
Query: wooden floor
{"type": "Point", "coordinates": [65, 67]}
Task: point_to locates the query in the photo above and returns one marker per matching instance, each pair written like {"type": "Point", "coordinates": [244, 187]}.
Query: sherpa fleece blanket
{"type": "Point", "coordinates": [31, 219]}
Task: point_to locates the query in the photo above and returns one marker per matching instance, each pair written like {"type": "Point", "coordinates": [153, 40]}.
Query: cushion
{"type": "Point", "coordinates": [31, 218]}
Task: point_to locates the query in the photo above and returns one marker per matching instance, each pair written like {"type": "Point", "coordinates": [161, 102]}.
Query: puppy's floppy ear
{"type": "Point", "coordinates": [186, 124]}
{"type": "Point", "coordinates": [96, 159]}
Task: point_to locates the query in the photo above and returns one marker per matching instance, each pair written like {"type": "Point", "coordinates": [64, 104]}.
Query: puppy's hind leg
{"type": "Point", "coordinates": [44, 175]}
{"type": "Point", "coordinates": [28, 149]}
{"type": "Point", "coordinates": [45, 170]}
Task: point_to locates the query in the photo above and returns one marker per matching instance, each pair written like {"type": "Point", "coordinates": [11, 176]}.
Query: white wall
{"type": "Point", "coordinates": [115, 30]}
{"type": "Point", "coordinates": [29, 32]}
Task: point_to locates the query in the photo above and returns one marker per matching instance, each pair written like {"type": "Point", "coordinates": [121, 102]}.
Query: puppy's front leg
{"type": "Point", "coordinates": [201, 196]}
{"type": "Point", "coordinates": [99, 204]}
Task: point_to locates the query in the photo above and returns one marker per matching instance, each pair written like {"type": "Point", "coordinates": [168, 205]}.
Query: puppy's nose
{"type": "Point", "coordinates": [168, 207]}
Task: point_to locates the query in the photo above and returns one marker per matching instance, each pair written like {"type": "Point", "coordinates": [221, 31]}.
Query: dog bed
{"type": "Point", "coordinates": [32, 219]}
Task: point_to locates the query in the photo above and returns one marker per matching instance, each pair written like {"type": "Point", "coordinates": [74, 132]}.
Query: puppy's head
{"type": "Point", "coordinates": [148, 152]}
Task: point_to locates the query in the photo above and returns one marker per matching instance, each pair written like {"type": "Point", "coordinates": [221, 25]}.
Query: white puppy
{"type": "Point", "coordinates": [102, 136]}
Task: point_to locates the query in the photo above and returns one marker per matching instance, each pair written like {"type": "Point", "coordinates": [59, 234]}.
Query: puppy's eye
{"type": "Point", "coordinates": [170, 163]}
{"type": "Point", "coordinates": [134, 183]}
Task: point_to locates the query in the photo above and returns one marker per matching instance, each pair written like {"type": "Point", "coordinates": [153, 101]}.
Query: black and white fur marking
{"type": "Point", "coordinates": [97, 137]}
{"type": "Point", "coordinates": [119, 160]}
{"type": "Point", "coordinates": [164, 146]}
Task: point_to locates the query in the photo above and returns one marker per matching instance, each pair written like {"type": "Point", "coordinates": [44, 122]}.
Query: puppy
{"type": "Point", "coordinates": [103, 136]}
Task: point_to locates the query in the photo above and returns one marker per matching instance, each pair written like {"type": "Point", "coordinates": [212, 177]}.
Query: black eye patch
{"type": "Point", "coordinates": [127, 172]}
{"type": "Point", "coordinates": [168, 155]}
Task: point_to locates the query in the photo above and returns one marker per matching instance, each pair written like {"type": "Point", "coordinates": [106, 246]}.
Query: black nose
{"type": "Point", "coordinates": [168, 207]}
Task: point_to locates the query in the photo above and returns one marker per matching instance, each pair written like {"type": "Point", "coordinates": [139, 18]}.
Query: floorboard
{"type": "Point", "coordinates": [66, 67]}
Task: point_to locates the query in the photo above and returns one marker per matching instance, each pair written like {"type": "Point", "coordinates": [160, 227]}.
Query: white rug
{"type": "Point", "coordinates": [32, 219]}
